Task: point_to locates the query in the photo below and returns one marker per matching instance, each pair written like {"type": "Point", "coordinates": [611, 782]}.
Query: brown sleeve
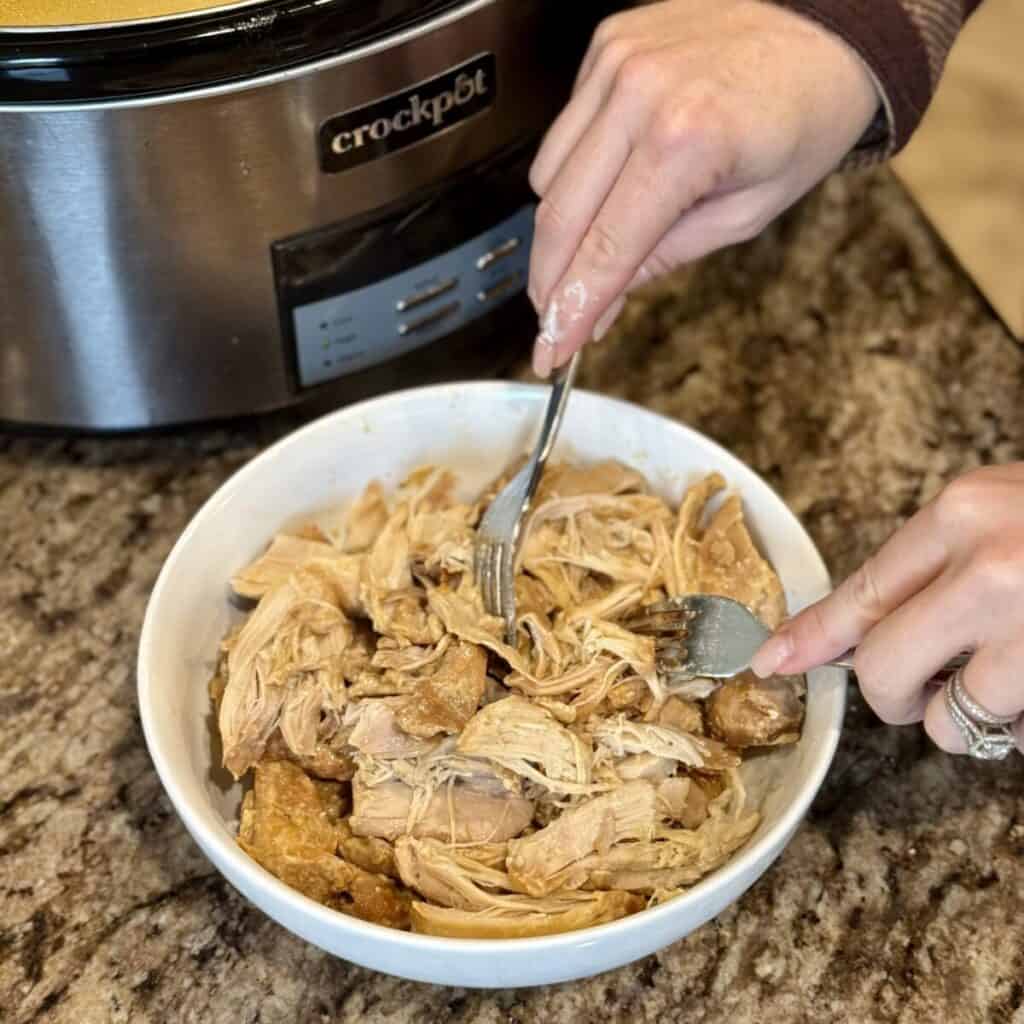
{"type": "Point", "coordinates": [904, 43]}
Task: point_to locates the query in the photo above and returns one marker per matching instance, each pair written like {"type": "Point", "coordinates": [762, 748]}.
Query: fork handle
{"type": "Point", "coordinates": [951, 666]}
{"type": "Point", "coordinates": [553, 414]}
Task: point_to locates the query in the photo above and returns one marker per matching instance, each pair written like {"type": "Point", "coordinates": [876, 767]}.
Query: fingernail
{"type": "Point", "coordinates": [543, 357]}
{"type": "Point", "coordinates": [774, 653]}
{"type": "Point", "coordinates": [607, 319]}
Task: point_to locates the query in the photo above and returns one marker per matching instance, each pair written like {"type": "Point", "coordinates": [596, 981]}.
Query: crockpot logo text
{"type": "Point", "coordinates": [385, 126]}
{"type": "Point", "coordinates": [432, 110]}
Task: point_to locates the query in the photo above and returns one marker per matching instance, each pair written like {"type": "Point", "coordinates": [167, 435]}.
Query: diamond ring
{"type": "Point", "coordinates": [988, 736]}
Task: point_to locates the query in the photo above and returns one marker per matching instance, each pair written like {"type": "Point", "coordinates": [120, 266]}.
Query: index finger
{"type": "Point", "coordinates": [654, 189]}
{"type": "Point", "coordinates": [912, 557]}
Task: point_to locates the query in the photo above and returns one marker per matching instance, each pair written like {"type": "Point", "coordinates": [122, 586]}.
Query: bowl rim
{"type": "Point", "coordinates": [254, 877]}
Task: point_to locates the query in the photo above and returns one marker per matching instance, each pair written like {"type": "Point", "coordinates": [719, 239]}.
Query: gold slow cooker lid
{"type": "Point", "coordinates": [54, 13]}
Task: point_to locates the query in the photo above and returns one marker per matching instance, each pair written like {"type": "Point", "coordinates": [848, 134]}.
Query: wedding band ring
{"type": "Point", "coordinates": [973, 708]}
{"type": "Point", "coordinates": [988, 736]}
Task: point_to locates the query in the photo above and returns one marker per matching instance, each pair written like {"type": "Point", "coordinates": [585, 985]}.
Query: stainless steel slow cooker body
{"type": "Point", "coordinates": [235, 226]}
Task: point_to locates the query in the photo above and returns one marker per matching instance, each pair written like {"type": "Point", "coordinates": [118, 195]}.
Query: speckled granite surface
{"type": "Point", "coordinates": [842, 355]}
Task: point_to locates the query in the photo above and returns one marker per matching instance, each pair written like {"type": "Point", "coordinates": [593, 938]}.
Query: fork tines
{"type": "Point", "coordinates": [660, 620]}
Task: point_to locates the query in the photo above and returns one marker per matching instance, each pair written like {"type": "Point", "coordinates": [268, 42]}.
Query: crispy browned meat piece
{"type": "Point", "coordinates": [374, 855]}
{"type": "Point", "coordinates": [292, 826]}
{"type": "Point", "coordinates": [325, 762]}
{"type": "Point", "coordinates": [752, 712]}
{"type": "Point", "coordinates": [683, 714]}
{"type": "Point", "coordinates": [446, 699]}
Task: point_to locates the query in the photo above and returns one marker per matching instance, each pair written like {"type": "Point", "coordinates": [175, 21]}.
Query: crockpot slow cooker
{"type": "Point", "coordinates": [210, 211]}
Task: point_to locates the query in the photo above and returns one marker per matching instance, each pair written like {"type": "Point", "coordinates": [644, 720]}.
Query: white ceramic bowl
{"type": "Point", "coordinates": [476, 429]}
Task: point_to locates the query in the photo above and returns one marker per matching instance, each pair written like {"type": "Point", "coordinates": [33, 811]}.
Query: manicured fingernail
{"type": "Point", "coordinates": [774, 653]}
{"type": "Point", "coordinates": [543, 356]}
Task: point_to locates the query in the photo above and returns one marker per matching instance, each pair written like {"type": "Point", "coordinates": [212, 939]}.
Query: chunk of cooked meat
{"type": "Point", "coordinates": [645, 766]}
{"type": "Point", "coordinates": [731, 565]}
{"type": "Point", "coordinates": [441, 541]}
{"type": "Point", "coordinates": [447, 698]}
{"type": "Point", "coordinates": [375, 731]}
{"type": "Point", "coordinates": [528, 740]}
{"type": "Point", "coordinates": [564, 480]}
{"type": "Point", "coordinates": [678, 857]}
{"type": "Point", "coordinates": [395, 605]}
{"type": "Point", "coordinates": [470, 900]}
{"type": "Point", "coordinates": [752, 712]}
{"type": "Point", "coordinates": [533, 597]}
{"type": "Point", "coordinates": [458, 813]}
{"type": "Point", "coordinates": [548, 860]}
{"type": "Point", "coordinates": [462, 614]}
{"type": "Point", "coordinates": [685, 578]}
{"type": "Point", "coordinates": [288, 553]}
{"type": "Point", "coordinates": [448, 877]}
{"type": "Point", "coordinates": [549, 917]}
{"type": "Point", "coordinates": [370, 853]}
{"type": "Point", "coordinates": [292, 826]}
{"type": "Point", "coordinates": [684, 715]}
{"type": "Point", "coordinates": [325, 762]}
{"type": "Point", "coordinates": [281, 668]}
{"type": "Point", "coordinates": [366, 517]}
{"type": "Point", "coordinates": [632, 694]}
{"type": "Point", "coordinates": [680, 799]}
{"type": "Point", "coordinates": [624, 736]}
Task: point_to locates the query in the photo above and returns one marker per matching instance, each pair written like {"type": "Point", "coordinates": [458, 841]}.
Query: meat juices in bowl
{"type": "Point", "coordinates": [411, 771]}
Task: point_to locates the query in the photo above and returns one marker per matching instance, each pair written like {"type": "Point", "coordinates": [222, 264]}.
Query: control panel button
{"type": "Point", "coordinates": [352, 329]}
{"type": "Point", "coordinates": [500, 288]}
{"type": "Point", "coordinates": [499, 252]}
{"type": "Point", "coordinates": [433, 292]}
{"type": "Point", "coordinates": [432, 318]}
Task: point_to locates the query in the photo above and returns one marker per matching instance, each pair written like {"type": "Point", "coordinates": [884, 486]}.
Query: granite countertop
{"type": "Point", "coordinates": [845, 357]}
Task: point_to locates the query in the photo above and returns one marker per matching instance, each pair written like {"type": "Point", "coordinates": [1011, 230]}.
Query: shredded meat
{"type": "Point", "coordinates": [412, 767]}
{"type": "Point", "coordinates": [528, 740]}
{"type": "Point", "coordinates": [547, 860]}
{"type": "Point", "coordinates": [460, 813]}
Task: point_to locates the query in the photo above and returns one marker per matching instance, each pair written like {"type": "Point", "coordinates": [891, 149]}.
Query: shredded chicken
{"type": "Point", "coordinates": [469, 899]}
{"type": "Point", "coordinates": [413, 768]}
{"type": "Point", "coordinates": [527, 739]}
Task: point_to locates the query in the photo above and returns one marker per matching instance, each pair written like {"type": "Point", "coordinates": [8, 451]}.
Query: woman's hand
{"type": "Point", "coordinates": [951, 580]}
{"type": "Point", "coordinates": [693, 124]}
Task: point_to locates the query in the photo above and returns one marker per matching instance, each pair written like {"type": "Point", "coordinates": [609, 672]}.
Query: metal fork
{"type": "Point", "coordinates": [500, 531]}
{"type": "Point", "coordinates": [712, 637]}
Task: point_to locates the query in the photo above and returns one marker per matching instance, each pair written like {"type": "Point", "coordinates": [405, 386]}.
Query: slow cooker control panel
{"type": "Point", "coordinates": [351, 329]}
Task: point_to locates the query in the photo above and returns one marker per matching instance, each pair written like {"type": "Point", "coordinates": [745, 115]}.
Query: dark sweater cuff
{"type": "Point", "coordinates": [892, 46]}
